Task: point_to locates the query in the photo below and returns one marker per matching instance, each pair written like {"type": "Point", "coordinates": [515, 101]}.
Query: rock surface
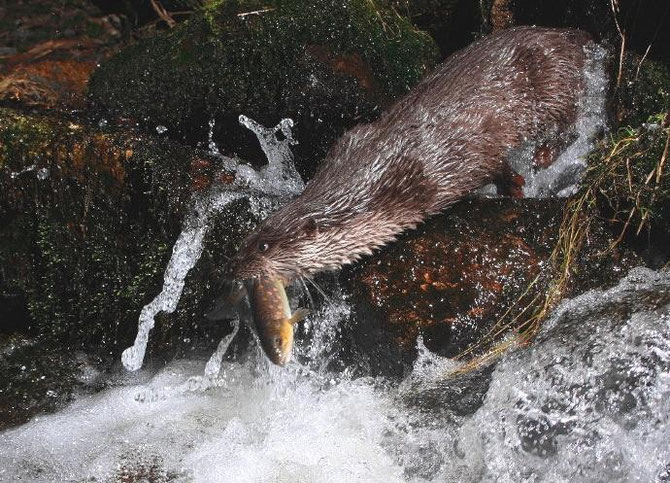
{"type": "Point", "coordinates": [48, 52]}
{"type": "Point", "coordinates": [88, 220]}
{"type": "Point", "coordinates": [327, 65]}
{"type": "Point", "coordinates": [451, 280]}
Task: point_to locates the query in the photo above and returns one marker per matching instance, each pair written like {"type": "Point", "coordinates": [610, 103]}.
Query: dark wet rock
{"type": "Point", "coordinates": [645, 24]}
{"type": "Point", "coordinates": [88, 218]}
{"type": "Point", "coordinates": [327, 64]}
{"type": "Point", "coordinates": [38, 376]}
{"type": "Point", "coordinates": [53, 51]}
{"type": "Point", "coordinates": [452, 23]}
{"type": "Point", "coordinates": [593, 16]}
{"type": "Point", "coordinates": [26, 23]}
{"type": "Point", "coordinates": [449, 399]}
{"type": "Point", "coordinates": [141, 6]}
{"type": "Point", "coordinates": [452, 279]}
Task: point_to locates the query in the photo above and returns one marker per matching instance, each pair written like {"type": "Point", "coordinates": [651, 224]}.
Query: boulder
{"type": "Point", "coordinates": [326, 64]}
{"type": "Point", "coordinates": [468, 277]}
{"type": "Point", "coordinates": [88, 219]}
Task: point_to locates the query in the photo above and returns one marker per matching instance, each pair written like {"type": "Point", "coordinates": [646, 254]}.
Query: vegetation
{"type": "Point", "coordinates": [627, 186]}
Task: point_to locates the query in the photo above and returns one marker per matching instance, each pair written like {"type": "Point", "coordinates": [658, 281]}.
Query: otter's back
{"type": "Point", "coordinates": [459, 123]}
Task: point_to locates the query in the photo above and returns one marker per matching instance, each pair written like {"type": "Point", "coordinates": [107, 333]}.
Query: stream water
{"type": "Point", "coordinates": [589, 401]}
{"type": "Point", "coordinates": [277, 179]}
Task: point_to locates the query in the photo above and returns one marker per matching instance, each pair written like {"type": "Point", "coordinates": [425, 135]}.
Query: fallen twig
{"type": "Point", "coordinates": [163, 14]}
{"type": "Point", "coordinates": [255, 12]}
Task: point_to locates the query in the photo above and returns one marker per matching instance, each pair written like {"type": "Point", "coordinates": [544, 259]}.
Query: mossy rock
{"type": "Point", "coordinates": [644, 90]}
{"type": "Point", "coordinates": [327, 64]}
{"type": "Point", "coordinates": [452, 23]}
{"type": "Point", "coordinates": [38, 376]}
{"type": "Point", "coordinates": [88, 218]}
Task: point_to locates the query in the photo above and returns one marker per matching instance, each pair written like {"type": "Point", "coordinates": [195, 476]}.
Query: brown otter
{"type": "Point", "coordinates": [450, 135]}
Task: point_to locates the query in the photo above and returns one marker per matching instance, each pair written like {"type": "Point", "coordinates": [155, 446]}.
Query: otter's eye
{"type": "Point", "coordinates": [263, 247]}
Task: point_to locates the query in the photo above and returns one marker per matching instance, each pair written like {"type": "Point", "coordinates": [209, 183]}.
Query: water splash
{"type": "Point", "coordinates": [563, 176]}
{"type": "Point", "coordinates": [280, 175]}
{"type": "Point", "coordinates": [185, 254]}
{"type": "Point", "coordinates": [27, 169]}
{"type": "Point", "coordinates": [588, 401]}
{"type": "Point", "coordinates": [278, 178]}
{"type": "Point", "coordinates": [211, 144]}
{"type": "Point", "coordinates": [322, 330]}
{"type": "Point", "coordinates": [213, 366]}
{"type": "Point", "coordinates": [194, 384]}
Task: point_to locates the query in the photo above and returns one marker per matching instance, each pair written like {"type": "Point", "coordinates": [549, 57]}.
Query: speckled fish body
{"type": "Point", "coordinates": [272, 317]}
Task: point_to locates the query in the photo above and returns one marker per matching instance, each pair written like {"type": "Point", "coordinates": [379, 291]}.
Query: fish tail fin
{"type": "Point", "coordinates": [298, 315]}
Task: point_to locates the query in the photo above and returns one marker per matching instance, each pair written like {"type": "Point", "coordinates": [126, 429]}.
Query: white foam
{"type": "Point", "coordinates": [589, 401]}
{"type": "Point", "coordinates": [594, 388]}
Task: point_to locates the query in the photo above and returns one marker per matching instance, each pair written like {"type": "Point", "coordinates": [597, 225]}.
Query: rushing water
{"type": "Point", "coordinates": [588, 401]}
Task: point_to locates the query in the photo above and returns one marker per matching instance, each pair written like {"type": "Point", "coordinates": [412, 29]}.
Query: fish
{"type": "Point", "coordinates": [272, 317]}
{"type": "Point", "coordinates": [227, 305]}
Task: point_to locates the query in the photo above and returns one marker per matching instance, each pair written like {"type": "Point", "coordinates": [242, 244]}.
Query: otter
{"type": "Point", "coordinates": [448, 136]}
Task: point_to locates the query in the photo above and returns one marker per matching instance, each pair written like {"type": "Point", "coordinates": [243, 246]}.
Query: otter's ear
{"type": "Point", "coordinates": [311, 227]}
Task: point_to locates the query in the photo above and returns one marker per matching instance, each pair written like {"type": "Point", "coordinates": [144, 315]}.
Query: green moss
{"type": "Point", "coordinates": [328, 64]}
{"type": "Point", "coordinates": [87, 246]}
{"type": "Point", "coordinates": [644, 89]}
{"type": "Point", "coordinates": [38, 376]}
{"type": "Point", "coordinates": [22, 139]}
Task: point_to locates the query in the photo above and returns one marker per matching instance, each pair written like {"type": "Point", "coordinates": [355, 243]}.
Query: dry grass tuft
{"type": "Point", "coordinates": [628, 180]}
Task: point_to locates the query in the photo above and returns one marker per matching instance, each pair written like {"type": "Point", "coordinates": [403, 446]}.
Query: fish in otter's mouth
{"type": "Point", "coordinates": [272, 317]}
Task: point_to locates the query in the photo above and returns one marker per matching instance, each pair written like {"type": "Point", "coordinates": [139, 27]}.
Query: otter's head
{"type": "Point", "coordinates": [284, 245]}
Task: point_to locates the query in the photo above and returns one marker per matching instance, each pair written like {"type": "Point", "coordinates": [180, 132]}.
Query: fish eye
{"type": "Point", "coordinates": [263, 246]}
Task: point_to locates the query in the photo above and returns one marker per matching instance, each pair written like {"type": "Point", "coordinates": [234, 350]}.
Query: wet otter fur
{"type": "Point", "coordinates": [450, 135]}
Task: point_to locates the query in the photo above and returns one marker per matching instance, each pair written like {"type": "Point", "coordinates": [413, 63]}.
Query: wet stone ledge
{"type": "Point", "coordinates": [454, 278]}
{"type": "Point", "coordinates": [326, 64]}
